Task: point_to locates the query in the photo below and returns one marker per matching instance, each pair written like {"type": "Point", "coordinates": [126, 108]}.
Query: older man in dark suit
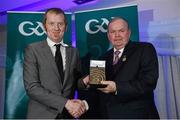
{"type": "Point", "coordinates": [51, 73]}
{"type": "Point", "coordinates": [132, 74]}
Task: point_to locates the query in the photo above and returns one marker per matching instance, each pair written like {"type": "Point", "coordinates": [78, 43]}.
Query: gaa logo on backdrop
{"type": "Point", "coordinates": [28, 28]}
{"type": "Point", "coordinates": [93, 26]}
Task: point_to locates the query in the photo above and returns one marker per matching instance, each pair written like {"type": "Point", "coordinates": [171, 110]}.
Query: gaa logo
{"type": "Point", "coordinates": [28, 28]}
{"type": "Point", "coordinates": [93, 26]}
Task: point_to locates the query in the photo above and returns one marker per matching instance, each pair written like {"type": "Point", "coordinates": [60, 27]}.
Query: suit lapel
{"type": "Point", "coordinates": [123, 59]}
{"type": "Point", "coordinates": [109, 64]}
{"type": "Point", "coordinates": [66, 72]}
{"type": "Point", "coordinates": [50, 58]}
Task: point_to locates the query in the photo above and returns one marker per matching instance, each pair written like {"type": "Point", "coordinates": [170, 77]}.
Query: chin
{"type": "Point", "coordinates": [55, 40]}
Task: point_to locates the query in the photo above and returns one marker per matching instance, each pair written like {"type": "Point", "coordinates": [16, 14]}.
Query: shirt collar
{"type": "Point", "coordinates": [51, 43]}
{"type": "Point", "coordinates": [121, 50]}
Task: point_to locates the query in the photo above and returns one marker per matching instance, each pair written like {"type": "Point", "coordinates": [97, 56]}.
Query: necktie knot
{"type": "Point", "coordinates": [117, 53]}
{"type": "Point", "coordinates": [57, 46]}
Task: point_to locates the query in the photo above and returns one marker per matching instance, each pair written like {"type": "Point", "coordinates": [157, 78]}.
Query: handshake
{"type": "Point", "coordinates": [76, 107]}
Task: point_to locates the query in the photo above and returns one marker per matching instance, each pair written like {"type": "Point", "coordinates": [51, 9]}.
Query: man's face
{"type": "Point", "coordinates": [118, 33]}
{"type": "Point", "coordinates": [55, 26]}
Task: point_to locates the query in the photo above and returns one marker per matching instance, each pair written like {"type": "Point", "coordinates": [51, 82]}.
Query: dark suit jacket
{"type": "Point", "coordinates": [135, 75]}
{"type": "Point", "coordinates": [43, 83]}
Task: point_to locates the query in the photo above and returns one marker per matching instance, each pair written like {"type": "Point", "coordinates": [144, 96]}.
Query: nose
{"type": "Point", "coordinates": [56, 27]}
{"type": "Point", "coordinates": [116, 34]}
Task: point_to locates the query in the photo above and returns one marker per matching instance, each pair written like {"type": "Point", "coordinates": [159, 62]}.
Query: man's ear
{"type": "Point", "coordinates": [44, 27]}
{"type": "Point", "coordinates": [107, 35]}
{"type": "Point", "coordinates": [66, 28]}
{"type": "Point", "coordinates": [129, 33]}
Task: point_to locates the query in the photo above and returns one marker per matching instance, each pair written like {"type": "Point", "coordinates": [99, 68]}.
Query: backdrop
{"type": "Point", "coordinates": [91, 28]}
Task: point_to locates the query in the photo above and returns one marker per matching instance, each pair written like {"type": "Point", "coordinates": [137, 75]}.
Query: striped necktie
{"type": "Point", "coordinates": [116, 57]}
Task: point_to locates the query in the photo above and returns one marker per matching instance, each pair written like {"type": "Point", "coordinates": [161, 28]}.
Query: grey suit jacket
{"type": "Point", "coordinates": [43, 83]}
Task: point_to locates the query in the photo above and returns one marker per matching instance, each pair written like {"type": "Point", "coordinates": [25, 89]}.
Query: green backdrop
{"type": "Point", "coordinates": [91, 31]}
{"type": "Point", "coordinates": [91, 28]}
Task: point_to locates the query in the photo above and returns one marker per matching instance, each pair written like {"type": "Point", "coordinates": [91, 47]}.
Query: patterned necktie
{"type": "Point", "coordinates": [59, 61]}
{"type": "Point", "coordinates": [116, 58]}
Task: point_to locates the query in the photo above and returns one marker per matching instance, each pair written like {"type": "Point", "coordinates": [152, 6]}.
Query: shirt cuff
{"type": "Point", "coordinates": [86, 105]}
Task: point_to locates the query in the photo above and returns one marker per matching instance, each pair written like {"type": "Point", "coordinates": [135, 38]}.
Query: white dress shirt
{"type": "Point", "coordinates": [62, 49]}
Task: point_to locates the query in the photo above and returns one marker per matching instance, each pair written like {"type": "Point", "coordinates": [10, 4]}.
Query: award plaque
{"type": "Point", "coordinates": [97, 73]}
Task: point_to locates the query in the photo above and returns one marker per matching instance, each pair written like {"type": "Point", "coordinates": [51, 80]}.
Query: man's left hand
{"type": "Point", "coordinates": [111, 87]}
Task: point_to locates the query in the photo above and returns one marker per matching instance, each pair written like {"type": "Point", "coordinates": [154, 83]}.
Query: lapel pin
{"type": "Point", "coordinates": [124, 58]}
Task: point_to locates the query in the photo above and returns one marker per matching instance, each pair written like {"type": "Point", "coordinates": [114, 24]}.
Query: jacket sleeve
{"type": "Point", "coordinates": [79, 73]}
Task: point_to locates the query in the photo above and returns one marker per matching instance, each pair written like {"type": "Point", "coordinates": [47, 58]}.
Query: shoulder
{"type": "Point", "coordinates": [142, 45]}
{"type": "Point", "coordinates": [72, 50]}
{"type": "Point", "coordinates": [145, 48]}
{"type": "Point", "coordinates": [36, 44]}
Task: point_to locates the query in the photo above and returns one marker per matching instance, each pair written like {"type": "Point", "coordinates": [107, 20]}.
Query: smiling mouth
{"type": "Point", "coordinates": [56, 34]}
{"type": "Point", "coordinates": [118, 40]}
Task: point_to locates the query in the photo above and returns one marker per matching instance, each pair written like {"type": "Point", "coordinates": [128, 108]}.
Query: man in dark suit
{"type": "Point", "coordinates": [52, 72]}
{"type": "Point", "coordinates": [132, 74]}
